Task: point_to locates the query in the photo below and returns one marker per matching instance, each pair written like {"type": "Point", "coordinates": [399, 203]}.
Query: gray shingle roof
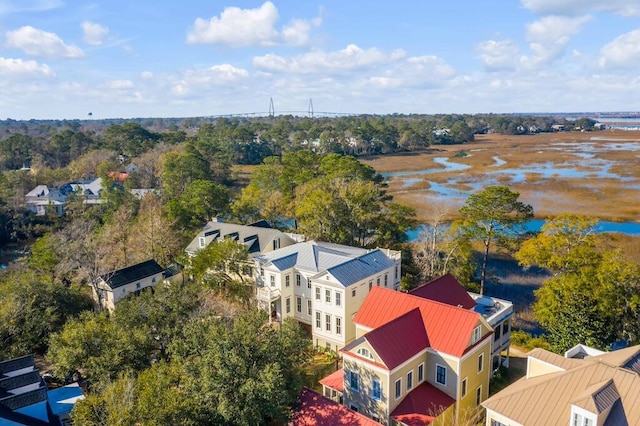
{"type": "Point", "coordinates": [16, 364]}
{"type": "Point", "coordinates": [132, 273]}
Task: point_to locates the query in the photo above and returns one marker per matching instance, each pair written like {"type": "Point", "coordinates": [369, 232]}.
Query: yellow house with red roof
{"type": "Point", "coordinates": [414, 360]}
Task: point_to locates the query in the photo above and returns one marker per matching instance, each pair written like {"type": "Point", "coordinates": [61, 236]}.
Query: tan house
{"type": "Point", "coordinates": [583, 388]}
{"type": "Point", "coordinates": [323, 285]}
{"type": "Point", "coordinates": [414, 360]}
{"type": "Point", "coordinates": [114, 286]}
{"type": "Point", "coordinates": [259, 237]}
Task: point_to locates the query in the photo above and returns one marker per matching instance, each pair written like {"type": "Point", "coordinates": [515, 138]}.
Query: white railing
{"type": "Point", "coordinates": [268, 293]}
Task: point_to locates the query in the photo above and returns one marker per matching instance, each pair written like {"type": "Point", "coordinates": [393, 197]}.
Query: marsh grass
{"type": "Point", "coordinates": [605, 198]}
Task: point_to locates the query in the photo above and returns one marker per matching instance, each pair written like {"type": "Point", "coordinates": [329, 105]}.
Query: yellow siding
{"type": "Point", "coordinates": [475, 379]}
{"type": "Point", "coordinates": [401, 373]}
{"type": "Point", "coordinates": [363, 397]}
{"type": "Point", "coordinates": [451, 385]}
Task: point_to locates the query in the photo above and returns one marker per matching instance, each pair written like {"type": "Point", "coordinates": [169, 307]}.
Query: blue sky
{"type": "Point", "coordinates": [62, 59]}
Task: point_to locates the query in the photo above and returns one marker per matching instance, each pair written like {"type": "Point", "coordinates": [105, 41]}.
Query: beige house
{"type": "Point", "coordinates": [114, 286]}
{"type": "Point", "coordinates": [414, 360]}
{"type": "Point", "coordinates": [586, 387]}
{"type": "Point", "coordinates": [259, 237]}
{"type": "Point", "coordinates": [323, 285]}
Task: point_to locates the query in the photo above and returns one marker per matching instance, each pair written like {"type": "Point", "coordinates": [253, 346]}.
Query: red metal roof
{"type": "Point", "coordinates": [413, 410]}
{"type": "Point", "coordinates": [448, 328]}
{"type": "Point", "coordinates": [399, 339]}
{"type": "Point", "coordinates": [445, 289]}
{"type": "Point", "coordinates": [313, 409]}
{"type": "Point", "coordinates": [334, 380]}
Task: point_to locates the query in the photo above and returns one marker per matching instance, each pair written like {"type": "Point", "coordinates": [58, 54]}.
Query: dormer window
{"type": "Point", "coordinates": [477, 333]}
{"type": "Point", "coordinates": [365, 353]}
{"type": "Point", "coordinates": [582, 417]}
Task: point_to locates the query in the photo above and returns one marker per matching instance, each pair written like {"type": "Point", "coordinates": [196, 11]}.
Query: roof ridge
{"type": "Point", "coordinates": [422, 299]}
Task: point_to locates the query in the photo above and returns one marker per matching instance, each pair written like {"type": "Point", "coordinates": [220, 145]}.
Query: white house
{"type": "Point", "coordinates": [322, 285]}
{"type": "Point", "coordinates": [42, 197]}
{"type": "Point", "coordinates": [133, 279]}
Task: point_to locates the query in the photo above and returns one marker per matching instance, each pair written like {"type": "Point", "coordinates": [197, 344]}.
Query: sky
{"type": "Point", "coordinates": [64, 59]}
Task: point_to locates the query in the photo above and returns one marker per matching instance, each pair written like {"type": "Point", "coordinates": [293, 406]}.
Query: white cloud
{"type": "Point", "coordinates": [18, 67]}
{"type": "Point", "coordinates": [146, 75]}
{"type": "Point", "coordinates": [94, 33]}
{"type": "Point", "coordinates": [39, 43]}
{"type": "Point", "coordinates": [22, 6]}
{"type": "Point", "coordinates": [623, 52]}
{"type": "Point", "coordinates": [121, 84]}
{"type": "Point", "coordinates": [581, 7]}
{"type": "Point", "coordinates": [350, 58]}
{"type": "Point", "coordinates": [549, 36]}
{"type": "Point", "coordinates": [498, 55]}
{"type": "Point", "coordinates": [217, 75]}
{"type": "Point", "coordinates": [250, 27]}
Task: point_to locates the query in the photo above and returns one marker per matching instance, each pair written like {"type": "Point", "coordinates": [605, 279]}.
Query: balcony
{"type": "Point", "coordinates": [268, 294]}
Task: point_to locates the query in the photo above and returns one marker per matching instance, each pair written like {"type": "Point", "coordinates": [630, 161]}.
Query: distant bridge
{"type": "Point", "coordinates": [272, 112]}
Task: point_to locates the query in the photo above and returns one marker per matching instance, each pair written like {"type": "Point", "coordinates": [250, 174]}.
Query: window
{"type": "Point", "coordinates": [478, 395]}
{"type": "Point", "coordinates": [153, 280]}
{"type": "Point", "coordinates": [318, 324]}
{"type": "Point", "coordinates": [353, 381]}
{"type": "Point", "coordinates": [421, 373]}
{"type": "Point", "coordinates": [308, 283]}
{"type": "Point", "coordinates": [299, 304]}
{"type": "Point", "coordinates": [396, 272]}
{"type": "Point", "coordinates": [376, 389]}
{"type": "Point", "coordinates": [317, 293]}
{"type": "Point", "coordinates": [327, 322]}
{"type": "Point", "coordinates": [272, 280]}
{"type": "Point", "coordinates": [386, 279]}
{"type": "Point", "coordinates": [409, 380]}
{"type": "Point", "coordinates": [353, 293]}
{"type": "Point", "coordinates": [308, 306]}
{"type": "Point", "coordinates": [441, 374]}
{"type": "Point", "coordinates": [137, 286]}
{"type": "Point", "coordinates": [327, 296]}
{"type": "Point", "coordinates": [298, 280]}
{"type": "Point", "coordinates": [476, 335]}
{"type": "Point", "coordinates": [201, 242]}
{"type": "Point", "coordinates": [496, 423]}
{"type": "Point", "coordinates": [480, 363]}
{"type": "Point", "coordinates": [276, 244]}
{"type": "Point", "coordinates": [287, 280]}
{"type": "Point", "coordinates": [288, 304]}
{"type": "Point", "coordinates": [338, 299]}
{"type": "Point", "coordinates": [378, 281]}
{"type": "Point", "coordinates": [364, 352]}
{"type": "Point", "coordinates": [398, 388]}
{"type": "Point", "coordinates": [496, 334]}
{"type": "Point", "coordinates": [370, 285]}
{"type": "Point", "coordinates": [463, 388]}
{"type": "Point", "coordinates": [338, 326]}
{"type": "Point", "coordinates": [581, 420]}
{"type": "Point", "coordinates": [505, 327]}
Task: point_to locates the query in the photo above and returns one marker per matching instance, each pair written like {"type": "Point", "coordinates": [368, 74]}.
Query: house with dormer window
{"type": "Point", "coordinates": [585, 387]}
{"type": "Point", "coordinates": [414, 360]}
